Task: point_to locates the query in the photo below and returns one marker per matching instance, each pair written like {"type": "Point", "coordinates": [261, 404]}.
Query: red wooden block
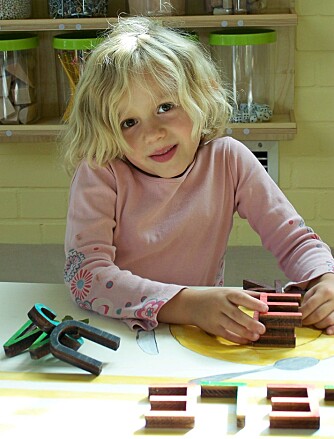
{"type": "Point", "coordinates": [281, 297]}
{"type": "Point", "coordinates": [283, 306]}
{"type": "Point", "coordinates": [288, 412]}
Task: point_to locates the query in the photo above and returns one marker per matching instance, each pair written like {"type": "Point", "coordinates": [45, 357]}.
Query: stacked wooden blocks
{"type": "Point", "coordinates": [282, 317]}
{"type": "Point", "coordinates": [172, 406]}
{"type": "Point", "coordinates": [293, 406]}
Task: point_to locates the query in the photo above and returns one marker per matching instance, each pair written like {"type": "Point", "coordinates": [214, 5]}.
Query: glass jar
{"type": "Point", "coordinates": [72, 50]}
{"type": "Point", "coordinates": [246, 58]}
{"type": "Point", "coordinates": [19, 97]}
{"type": "Point", "coordinates": [228, 7]}
{"type": "Point", "coordinates": [78, 8]}
{"type": "Point", "coordinates": [155, 8]}
{"type": "Point", "coordinates": [15, 9]}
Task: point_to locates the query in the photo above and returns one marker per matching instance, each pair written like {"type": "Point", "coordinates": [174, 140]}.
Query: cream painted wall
{"type": "Point", "coordinates": [34, 188]}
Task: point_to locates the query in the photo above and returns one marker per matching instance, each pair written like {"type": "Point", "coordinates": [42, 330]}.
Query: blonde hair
{"type": "Point", "coordinates": [136, 48]}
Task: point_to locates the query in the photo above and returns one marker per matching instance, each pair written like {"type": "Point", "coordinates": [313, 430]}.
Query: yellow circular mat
{"type": "Point", "coordinates": [309, 343]}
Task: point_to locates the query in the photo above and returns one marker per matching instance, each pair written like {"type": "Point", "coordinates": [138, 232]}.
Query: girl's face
{"type": "Point", "coordinates": [157, 130]}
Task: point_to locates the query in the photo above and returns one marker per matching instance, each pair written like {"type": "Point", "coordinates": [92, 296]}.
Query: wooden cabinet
{"type": "Point", "coordinates": [279, 16]}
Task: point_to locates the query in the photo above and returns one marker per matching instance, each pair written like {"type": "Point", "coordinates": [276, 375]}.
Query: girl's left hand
{"type": "Point", "coordinates": [318, 304]}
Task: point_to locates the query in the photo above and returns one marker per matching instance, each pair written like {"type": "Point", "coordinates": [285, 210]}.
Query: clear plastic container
{"type": "Point", "coordinates": [78, 8]}
{"type": "Point", "coordinates": [228, 7]}
{"type": "Point", "coordinates": [15, 9]}
{"type": "Point", "coordinates": [19, 97]}
{"type": "Point", "coordinates": [156, 8]}
{"type": "Point", "coordinates": [246, 58]}
{"type": "Point", "coordinates": [72, 50]}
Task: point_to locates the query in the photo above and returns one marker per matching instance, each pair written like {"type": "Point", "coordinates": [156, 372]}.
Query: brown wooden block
{"type": "Point", "coordinates": [277, 342]}
{"type": "Point", "coordinates": [280, 332]}
{"type": "Point", "coordinates": [252, 285]}
{"type": "Point", "coordinates": [283, 306]}
{"type": "Point", "coordinates": [329, 393]}
{"type": "Point", "coordinates": [170, 402]}
{"type": "Point", "coordinates": [299, 404]}
{"type": "Point", "coordinates": [229, 390]}
{"type": "Point", "coordinates": [169, 419]}
{"type": "Point", "coordinates": [281, 319]}
{"type": "Point", "coordinates": [286, 390]}
{"type": "Point", "coordinates": [289, 413]}
{"type": "Point", "coordinates": [169, 389]}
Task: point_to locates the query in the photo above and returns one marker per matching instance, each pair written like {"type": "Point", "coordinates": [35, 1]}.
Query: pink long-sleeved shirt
{"type": "Point", "coordinates": [133, 241]}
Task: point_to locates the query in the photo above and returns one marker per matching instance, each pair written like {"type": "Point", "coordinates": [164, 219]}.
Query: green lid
{"type": "Point", "coordinates": [242, 36]}
{"type": "Point", "coordinates": [17, 41]}
{"type": "Point", "coordinates": [77, 41]}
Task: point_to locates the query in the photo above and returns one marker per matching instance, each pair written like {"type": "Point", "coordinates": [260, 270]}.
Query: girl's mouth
{"type": "Point", "coordinates": [165, 154]}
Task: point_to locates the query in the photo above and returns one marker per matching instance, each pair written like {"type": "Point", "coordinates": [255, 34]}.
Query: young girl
{"type": "Point", "coordinates": [155, 188]}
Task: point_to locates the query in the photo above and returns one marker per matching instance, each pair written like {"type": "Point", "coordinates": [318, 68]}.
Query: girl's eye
{"type": "Point", "coordinates": [163, 108]}
{"type": "Point", "coordinates": [128, 123]}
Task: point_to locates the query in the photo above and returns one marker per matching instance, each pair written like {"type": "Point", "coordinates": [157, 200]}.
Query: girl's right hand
{"type": "Point", "coordinates": [216, 311]}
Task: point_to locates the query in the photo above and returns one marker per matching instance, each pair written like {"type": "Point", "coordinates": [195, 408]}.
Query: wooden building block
{"type": "Point", "coordinates": [229, 390]}
{"type": "Point", "coordinates": [169, 419]}
{"type": "Point", "coordinates": [281, 319]}
{"type": "Point", "coordinates": [22, 339]}
{"type": "Point", "coordinates": [170, 402]}
{"type": "Point", "coordinates": [293, 407]}
{"type": "Point", "coordinates": [253, 285]}
{"type": "Point", "coordinates": [170, 389]}
{"type": "Point", "coordinates": [277, 342]}
{"type": "Point", "coordinates": [281, 297]}
{"type": "Point", "coordinates": [329, 393]}
{"type": "Point", "coordinates": [283, 306]}
{"type": "Point", "coordinates": [70, 355]}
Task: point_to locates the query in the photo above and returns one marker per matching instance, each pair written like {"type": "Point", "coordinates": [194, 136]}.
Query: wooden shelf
{"type": "Point", "coordinates": [281, 127]}
{"type": "Point", "coordinates": [288, 18]}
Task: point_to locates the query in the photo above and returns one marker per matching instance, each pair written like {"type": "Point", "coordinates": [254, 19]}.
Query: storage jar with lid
{"type": "Point", "coordinates": [72, 50]}
{"type": "Point", "coordinates": [246, 59]}
{"type": "Point", "coordinates": [78, 8]}
{"type": "Point", "coordinates": [19, 97]}
{"type": "Point", "coordinates": [156, 8]}
{"type": "Point", "coordinates": [15, 9]}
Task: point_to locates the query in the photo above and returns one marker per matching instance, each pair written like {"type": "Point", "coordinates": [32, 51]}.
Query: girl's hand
{"type": "Point", "coordinates": [318, 304]}
{"type": "Point", "coordinates": [216, 311]}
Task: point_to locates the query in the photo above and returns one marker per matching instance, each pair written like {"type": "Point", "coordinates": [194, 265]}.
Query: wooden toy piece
{"type": "Point", "coordinates": [169, 389]}
{"type": "Point", "coordinates": [171, 406]}
{"type": "Point", "coordinates": [169, 402]}
{"type": "Point", "coordinates": [28, 114]}
{"type": "Point", "coordinates": [294, 406]}
{"type": "Point", "coordinates": [329, 393]}
{"type": "Point", "coordinates": [169, 419]}
{"type": "Point", "coordinates": [22, 339]}
{"type": "Point", "coordinates": [252, 285]}
{"type": "Point", "coordinates": [228, 390]}
{"type": "Point", "coordinates": [281, 319]}
{"type": "Point", "coordinates": [69, 355]}
{"type": "Point", "coordinates": [43, 317]}
{"type": "Point", "coordinates": [41, 347]}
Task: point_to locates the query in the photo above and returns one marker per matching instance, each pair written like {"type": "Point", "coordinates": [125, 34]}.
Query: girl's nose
{"type": "Point", "coordinates": [154, 131]}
